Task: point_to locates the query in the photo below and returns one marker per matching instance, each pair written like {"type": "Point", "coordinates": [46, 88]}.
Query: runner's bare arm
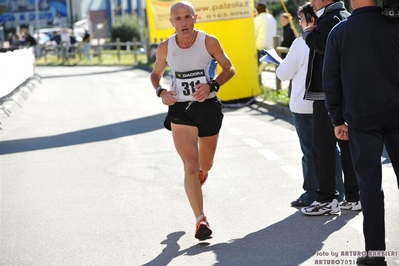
{"type": "Point", "coordinates": [159, 65]}
{"type": "Point", "coordinates": [157, 74]}
{"type": "Point", "coordinates": [216, 51]}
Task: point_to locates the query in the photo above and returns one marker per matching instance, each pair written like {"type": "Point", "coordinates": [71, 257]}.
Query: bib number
{"type": "Point", "coordinates": [189, 88]}
{"type": "Point", "coordinates": [186, 81]}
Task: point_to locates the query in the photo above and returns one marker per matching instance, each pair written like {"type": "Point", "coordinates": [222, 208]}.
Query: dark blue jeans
{"type": "Point", "coordinates": [304, 128]}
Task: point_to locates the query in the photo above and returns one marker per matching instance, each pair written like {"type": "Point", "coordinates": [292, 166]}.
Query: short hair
{"type": "Point", "coordinates": [286, 15]}
{"type": "Point", "coordinates": [307, 12]}
{"type": "Point", "coordinates": [186, 3]}
{"type": "Point", "coordinates": [261, 7]}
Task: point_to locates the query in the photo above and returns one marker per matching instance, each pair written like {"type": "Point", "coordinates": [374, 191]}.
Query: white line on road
{"type": "Point", "coordinates": [269, 155]}
{"type": "Point", "coordinates": [252, 142]}
{"type": "Point", "coordinates": [235, 131]}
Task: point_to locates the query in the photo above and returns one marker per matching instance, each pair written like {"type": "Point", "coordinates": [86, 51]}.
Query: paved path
{"type": "Point", "coordinates": [90, 177]}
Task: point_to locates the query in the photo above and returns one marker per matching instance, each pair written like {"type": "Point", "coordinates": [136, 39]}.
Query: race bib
{"type": "Point", "coordinates": [186, 82]}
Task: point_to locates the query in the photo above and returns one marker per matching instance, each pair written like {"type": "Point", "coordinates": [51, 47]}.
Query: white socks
{"type": "Point", "coordinates": [199, 218]}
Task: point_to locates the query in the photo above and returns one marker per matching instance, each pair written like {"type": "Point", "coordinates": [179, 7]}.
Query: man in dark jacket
{"type": "Point", "coordinates": [324, 141]}
{"type": "Point", "coordinates": [361, 84]}
{"type": "Point", "coordinates": [288, 33]}
{"type": "Point", "coordinates": [29, 41]}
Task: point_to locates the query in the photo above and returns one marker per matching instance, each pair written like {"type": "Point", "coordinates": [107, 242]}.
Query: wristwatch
{"type": "Point", "coordinates": [159, 90]}
{"type": "Point", "coordinates": [214, 86]}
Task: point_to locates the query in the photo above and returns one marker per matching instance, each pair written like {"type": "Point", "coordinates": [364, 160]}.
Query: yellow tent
{"type": "Point", "coordinates": [231, 21]}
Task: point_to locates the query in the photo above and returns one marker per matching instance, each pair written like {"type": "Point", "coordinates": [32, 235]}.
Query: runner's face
{"type": "Point", "coordinates": [183, 20]}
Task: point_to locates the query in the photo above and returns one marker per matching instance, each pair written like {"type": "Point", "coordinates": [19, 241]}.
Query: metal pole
{"type": "Point", "coordinates": [140, 10]}
{"type": "Point", "coordinates": [37, 27]}
{"type": "Point", "coordinates": [71, 13]}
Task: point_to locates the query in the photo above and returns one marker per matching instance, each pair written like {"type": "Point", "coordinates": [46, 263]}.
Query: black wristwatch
{"type": "Point", "coordinates": [214, 85]}
{"type": "Point", "coordinates": [159, 90]}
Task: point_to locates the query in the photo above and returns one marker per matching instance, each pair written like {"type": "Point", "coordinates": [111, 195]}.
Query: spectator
{"type": "Point", "coordinates": [265, 29]}
{"type": "Point", "coordinates": [58, 20]}
{"type": "Point", "coordinates": [13, 40]}
{"type": "Point", "coordinates": [294, 67]}
{"type": "Point", "coordinates": [363, 100]}
{"type": "Point", "coordinates": [65, 43]}
{"type": "Point", "coordinates": [329, 13]}
{"type": "Point", "coordinates": [9, 39]}
{"type": "Point", "coordinates": [86, 44]}
{"type": "Point", "coordinates": [29, 41]}
{"type": "Point", "coordinates": [288, 32]}
{"type": "Point", "coordinates": [73, 44]}
{"type": "Point", "coordinates": [56, 38]}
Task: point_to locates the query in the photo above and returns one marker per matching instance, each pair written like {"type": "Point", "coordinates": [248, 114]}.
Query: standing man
{"type": "Point", "coordinates": [86, 44]}
{"type": "Point", "coordinates": [362, 97]}
{"type": "Point", "coordinates": [195, 113]}
{"type": "Point", "coordinates": [265, 29]}
{"type": "Point", "coordinates": [329, 13]}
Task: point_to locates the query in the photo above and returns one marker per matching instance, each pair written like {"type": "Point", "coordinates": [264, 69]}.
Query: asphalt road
{"type": "Point", "coordinates": [89, 176]}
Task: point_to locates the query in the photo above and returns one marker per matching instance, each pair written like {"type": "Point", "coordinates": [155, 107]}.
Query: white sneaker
{"type": "Point", "coordinates": [318, 208]}
{"type": "Point", "coordinates": [354, 206]}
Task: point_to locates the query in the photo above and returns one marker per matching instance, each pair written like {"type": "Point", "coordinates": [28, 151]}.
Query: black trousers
{"type": "Point", "coordinates": [367, 145]}
{"type": "Point", "coordinates": [323, 149]}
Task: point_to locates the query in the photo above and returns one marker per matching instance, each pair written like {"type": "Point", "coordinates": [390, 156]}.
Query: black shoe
{"type": "Point", "coordinates": [375, 261]}
{"type": "Point", "coordinates": [298, 203]}
{"type": "Point", "coordinates": [202, 231]}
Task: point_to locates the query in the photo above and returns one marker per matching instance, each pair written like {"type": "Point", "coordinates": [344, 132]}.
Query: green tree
{"type": "Point", "coordinates": [126, 28]}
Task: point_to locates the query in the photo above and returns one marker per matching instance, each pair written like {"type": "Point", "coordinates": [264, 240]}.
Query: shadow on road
{"type": "Point", "coordinates": [291, 241]}
{"type": "Point", "coordinates": [102, 133]}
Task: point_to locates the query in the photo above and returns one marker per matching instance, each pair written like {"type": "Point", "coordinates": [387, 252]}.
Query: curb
{"type": "Point", "coordinates": [273, 106]}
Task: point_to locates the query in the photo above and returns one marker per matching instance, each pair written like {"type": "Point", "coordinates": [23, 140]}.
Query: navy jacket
{"type": "Point", "coordinates": [361, 68]}
{"type": "Point", "coordinates": [317, 40]}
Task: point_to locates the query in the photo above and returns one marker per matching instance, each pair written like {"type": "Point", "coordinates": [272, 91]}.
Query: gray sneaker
{"type": "Point", "coordinates": [353, 206]}
{"type": "Point", "coordinates": [318, 208]}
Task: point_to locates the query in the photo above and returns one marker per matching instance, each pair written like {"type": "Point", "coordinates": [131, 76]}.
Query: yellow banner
{"type": "Point", "coordinates": [207, 10]}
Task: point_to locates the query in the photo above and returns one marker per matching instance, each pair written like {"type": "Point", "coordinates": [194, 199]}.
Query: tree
{"type": "Point", "coordinates": [126, 28]}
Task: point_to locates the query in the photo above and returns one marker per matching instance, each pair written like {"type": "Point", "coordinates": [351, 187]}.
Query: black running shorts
{"type": "Point", "coordinates": [207, 116]}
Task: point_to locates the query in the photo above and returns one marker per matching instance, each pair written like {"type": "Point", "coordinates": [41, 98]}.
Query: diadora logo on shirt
{"type": "Point", "coordinates": [190, 74]}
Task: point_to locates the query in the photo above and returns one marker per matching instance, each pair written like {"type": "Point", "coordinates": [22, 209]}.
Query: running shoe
{"type": "Point", "coordinates": [318, 208]}
{"type": "Point", "coordinates": [202, 177]}
{"type": "Point", "coordinates": [354, 206]}
{"type": "Point", "coordinates": [202, 231]}
{"type": "Point", "coordinates": [298, 203]}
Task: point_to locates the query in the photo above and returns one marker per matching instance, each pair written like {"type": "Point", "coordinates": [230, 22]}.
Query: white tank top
{"type": "Point", "coordinates": [189, 67]}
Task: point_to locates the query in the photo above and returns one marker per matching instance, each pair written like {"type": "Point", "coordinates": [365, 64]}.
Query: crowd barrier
{"type": "Point", "coordinates": [17, 68]}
